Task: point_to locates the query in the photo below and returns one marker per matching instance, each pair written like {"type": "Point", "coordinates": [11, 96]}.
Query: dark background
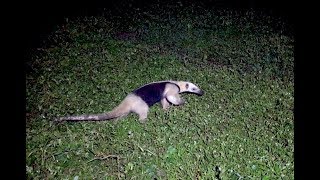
{"type": "Point", "coordinates": [31, 22]}
{"type": "Point", "coordinates": [41, 18]}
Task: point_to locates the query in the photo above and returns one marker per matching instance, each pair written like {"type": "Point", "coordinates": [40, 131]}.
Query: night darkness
{"type": "Point", "coordinates": [39, 20]}
{"type": "Point", "coordinates": [42, 18]}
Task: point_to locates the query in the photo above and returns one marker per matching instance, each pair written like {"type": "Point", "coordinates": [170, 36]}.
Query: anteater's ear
{"type": "Point", "coordinates": [187, 85]}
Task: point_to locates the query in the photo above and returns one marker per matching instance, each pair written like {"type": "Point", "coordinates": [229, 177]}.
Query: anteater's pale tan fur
{"type": "Point", "coordinates": [142, 98]}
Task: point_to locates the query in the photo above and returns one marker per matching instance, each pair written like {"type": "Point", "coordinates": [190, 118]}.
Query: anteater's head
{"type": "Point", "coordinates": [190, 88]}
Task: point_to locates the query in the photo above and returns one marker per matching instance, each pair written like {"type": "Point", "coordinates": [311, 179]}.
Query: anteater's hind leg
{"type": "Point", "coordinates": [142, 110]}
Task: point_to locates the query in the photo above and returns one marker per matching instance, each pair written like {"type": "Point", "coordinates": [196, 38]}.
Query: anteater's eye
{"type": "Point", "coordinates": [194, 89]}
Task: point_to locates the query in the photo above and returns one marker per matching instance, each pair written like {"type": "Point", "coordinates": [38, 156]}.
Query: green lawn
{"type": "Point", "coordinates": [242, 128]}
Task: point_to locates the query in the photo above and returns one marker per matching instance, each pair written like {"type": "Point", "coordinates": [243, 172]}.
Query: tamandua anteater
{"type": "Point", "coordinates": [139, 100]}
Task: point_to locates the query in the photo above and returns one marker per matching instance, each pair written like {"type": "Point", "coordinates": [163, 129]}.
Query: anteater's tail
{"type": "Point", "coordinates": [122, 110]}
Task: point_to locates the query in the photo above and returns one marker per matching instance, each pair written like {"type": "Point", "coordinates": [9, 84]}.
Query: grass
{"type": "Point", "coordinates": [242, 128]}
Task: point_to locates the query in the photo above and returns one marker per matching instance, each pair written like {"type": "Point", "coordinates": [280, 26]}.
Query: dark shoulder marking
{"type": "Point", "coordinates": [152, 93]}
